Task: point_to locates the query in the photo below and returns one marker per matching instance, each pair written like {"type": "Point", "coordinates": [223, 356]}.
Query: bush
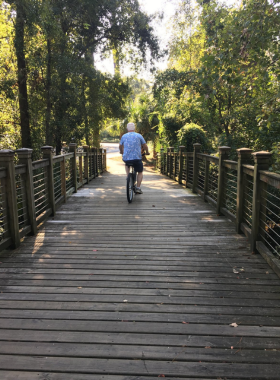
{"type": "Point", "coordinates": [276, 158]}
{"type": "Point", "coordinates": [191, 134]}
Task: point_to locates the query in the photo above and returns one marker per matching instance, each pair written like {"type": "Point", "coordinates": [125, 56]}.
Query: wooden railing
{"type": "Point", "coordinates": [244, 190]}
{"type": "Point", "coordinates": [32, 191]}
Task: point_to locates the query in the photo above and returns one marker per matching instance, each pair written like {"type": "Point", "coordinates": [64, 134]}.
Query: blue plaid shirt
{"type": "Point", "coordinates": [132, 143]}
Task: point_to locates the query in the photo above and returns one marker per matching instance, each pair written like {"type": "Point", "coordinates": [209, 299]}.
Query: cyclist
{"type": "Point", "coordinates": [130, 147]}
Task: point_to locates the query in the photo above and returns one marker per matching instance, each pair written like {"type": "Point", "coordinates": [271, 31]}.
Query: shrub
{"type": "Point", "coordinates": [191, 134]}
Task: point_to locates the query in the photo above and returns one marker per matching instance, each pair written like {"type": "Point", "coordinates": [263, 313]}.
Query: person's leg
{"type": "Point", "coordinates": [139, 179]}
{"type": "Point", "coordinates": [127, 170]}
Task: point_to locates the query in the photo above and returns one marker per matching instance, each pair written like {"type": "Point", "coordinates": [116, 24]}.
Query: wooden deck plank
{"type": "Point", "coordinates": [141, 327]}
{"type": "Point", "coordinates": [140, 367]}
{"type": "Point", "coordinates": [211, 293]}
{"type": "Point", "coordinates": [139, 299]}
{"type": "Point", "coordinates": [12, 375]}
{"type": "Point", "coordinates": [112, 291]}
{"type": "Point", "coordinates": [130, 316]}
{"type": "Point", "coordinates": [112, 338]}
{"type": "Point", "coordinates": [207, 354]}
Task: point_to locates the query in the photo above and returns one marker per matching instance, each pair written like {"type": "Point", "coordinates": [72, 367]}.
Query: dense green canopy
{"type": "Point", "coordinates": [223, 73]}
{"type": "Point", "coordinates": [50, 89]}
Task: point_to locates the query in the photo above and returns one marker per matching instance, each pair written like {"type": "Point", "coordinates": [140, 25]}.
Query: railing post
{"type": "Point", "coordinates": [101, 159]}
{"type": "Point", "coordinates": [63, 178]}
{"type": "Point", "coordinates": [206, 179]}
{"type": "Point", "coordinates": [161, 168]}
{"type": "Point", "coordinates": [181, 150]}
{"type": "Point", "coordinates": [169, 162]}
{"type": "Point", "coordinates": [86, 162]}
{"type": "Point", "coordinates": [7, 161]}
{"type": "Point", "coordinates": [25, 158]}
{"type": "Point", "coordinates": [223, 155]}
{"type": "Point", "coordinates": [81, 170]}
{"type": "Point", "coordinates": [174, 166]}
{"type": "Point", "coordinates": [47, 154]}
{"type": "Point", "coordinates": [197, 148]}
{"type": "Point", "coordinates": [261, 162]}
{"type": "Point", "coordinates": [96, 162]}
{"type": "Point", "coordinates": [72, 149]}
{"type": "Point", "coordinates": [92, 163]}
{"type": "Point", "coordinates": [105, 159]}
{"type": "Point", "coordinates": [244, 157]}
{"type": "Point", "coordinates": [187, 168]}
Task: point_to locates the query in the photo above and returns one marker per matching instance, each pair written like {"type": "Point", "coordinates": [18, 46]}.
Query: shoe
{"type": "Point", "coordinates": [138, 190]}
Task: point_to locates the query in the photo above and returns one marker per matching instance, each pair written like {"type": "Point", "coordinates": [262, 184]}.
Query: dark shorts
{"type": "Point", "coordinates": [137, 164]}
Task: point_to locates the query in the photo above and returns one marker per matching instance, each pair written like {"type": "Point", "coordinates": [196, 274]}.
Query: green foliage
{"type": "Point", "coordinates": [67, 98]}
{"type": "Point", "coordinates": [224, 73]}
{"type": "Point", "coordinates": [143, 114]}
{"type": "Point", "coordinates": [276, 157]}
{"type": "Point", "coordinates": [191, 134]}
{"type": "Point", "coordinates": [9, 115]}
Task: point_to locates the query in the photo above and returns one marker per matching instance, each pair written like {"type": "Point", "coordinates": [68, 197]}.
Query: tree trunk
{"type": "Point", "coordinates": [49, 138]}
{"type": "Point", "coordinates": [84, 108]}
{"type": "Point", "coordinates": [96, 138]}
{"type": "Point", "coordinates": [22, 77]}
{"type": "Point", "coordinates": [116, 59]}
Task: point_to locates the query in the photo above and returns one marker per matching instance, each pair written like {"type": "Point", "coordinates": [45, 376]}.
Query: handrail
{"type": "Point", "coordinates": [270, 178]}
{"type": "Point", "coordinates": [32, 191]}
{"type": "Point", "coordinates": [230, 164]}
{"type": "Point", "coordinates": [248, 169]}
{"type": "Point", "coordinates": [247, 194]}
{"type": "Point", "coordinates": [58, 158]}
{"type": "Point", "coordinates": [40, 164]}
{"type": "Point", "coordinates": [20, 169]}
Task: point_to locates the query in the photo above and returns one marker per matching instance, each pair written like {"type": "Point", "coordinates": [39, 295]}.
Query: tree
{"type": "Point", "coordinates": [61, 94]}
{"type": "Point", "coordinates": [224, 72]}
{"type": "Point", "coordinates": [21, 8]}
{"type": "Point", "coordinates": [9, 115]}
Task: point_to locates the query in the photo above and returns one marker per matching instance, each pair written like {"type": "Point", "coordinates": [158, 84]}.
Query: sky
{"type": "Point", "coordinates": [162, 30]}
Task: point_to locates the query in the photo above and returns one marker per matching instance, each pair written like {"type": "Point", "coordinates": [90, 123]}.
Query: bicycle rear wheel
{"type": "Point", "coordinates": [129, 187]}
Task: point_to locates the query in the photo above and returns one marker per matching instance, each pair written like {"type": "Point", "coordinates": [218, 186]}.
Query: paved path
{"type": "Point", "coordinates": [114, 291]}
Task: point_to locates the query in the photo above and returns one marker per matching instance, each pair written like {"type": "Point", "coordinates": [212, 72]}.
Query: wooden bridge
{"type": "Point", "coordinates": [163, 287]}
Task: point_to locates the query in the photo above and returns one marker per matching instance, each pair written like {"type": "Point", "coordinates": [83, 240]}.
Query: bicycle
{"type": "Point", "coordinates": [131, 182]}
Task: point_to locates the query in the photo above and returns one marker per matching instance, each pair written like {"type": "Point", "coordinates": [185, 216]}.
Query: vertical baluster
{"type": "Point", "coordinates": [7, 161]}
{"type": "Point", "coordinates": [223, 155]}
{"type": "Point", "coordinates": [261, 162]}
{"type": "Point", "coordinates": [25, 158]}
